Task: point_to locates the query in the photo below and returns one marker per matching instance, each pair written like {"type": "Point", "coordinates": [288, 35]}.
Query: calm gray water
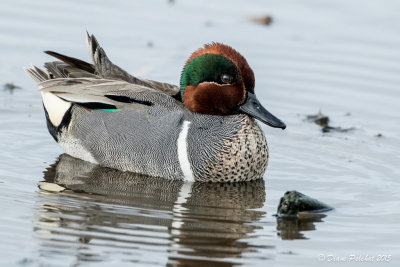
{"type": "Point", "coordinates": [340, 56]}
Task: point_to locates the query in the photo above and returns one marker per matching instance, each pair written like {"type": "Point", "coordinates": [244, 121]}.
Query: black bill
{"type": "Point", "coordinates": [253, 108]}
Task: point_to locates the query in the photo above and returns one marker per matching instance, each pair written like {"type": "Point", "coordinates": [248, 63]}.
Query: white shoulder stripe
{"type": "Point", "coordinates": [183, 152]}
{"type": "Point", "coordinates": [55, 107]}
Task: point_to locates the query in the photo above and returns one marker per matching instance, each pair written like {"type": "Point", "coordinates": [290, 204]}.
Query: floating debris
{"type": "Point", "coordinates": [264, 20]}
{"type": "Point", "coordinates": [323, 121]}
{"type": "Point", "coordinates": [294, 202]}
{"type": "Point", "coordinates": [379, 135]}
{"type": "Point", "coordinates": [150, 44]}
{"type": "Point", "coordinates": [11, 87]}
{"type": "Point", "coordinates": [319, 119]}
{"type": "Point", "coordinates": [208, 23]}
{"type": "Point", "coordinates": [50, 187]}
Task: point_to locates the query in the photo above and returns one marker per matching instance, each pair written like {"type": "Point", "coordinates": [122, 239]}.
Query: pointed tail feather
{"type": "Point", "coordinates": [37, 74]}
{"type": "Point", "coordinates": [102, 67]}
{"type": "Point", "coordinates": [74, 62]}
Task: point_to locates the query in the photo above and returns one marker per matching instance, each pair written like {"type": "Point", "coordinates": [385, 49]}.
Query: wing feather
{"type": "Point", "coordinates": [102, 68]}
{"type": "Point", "coordinates": [87, 90]}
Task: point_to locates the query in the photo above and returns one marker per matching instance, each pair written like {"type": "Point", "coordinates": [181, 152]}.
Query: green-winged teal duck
{"type": "Point", "coordinates": [202, 130]}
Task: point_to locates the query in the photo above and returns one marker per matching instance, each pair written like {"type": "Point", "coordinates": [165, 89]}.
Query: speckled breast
{"type": "Point", "coordinates": [243, 157]}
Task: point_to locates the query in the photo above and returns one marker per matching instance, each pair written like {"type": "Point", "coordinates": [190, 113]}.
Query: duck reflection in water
{"type": "Point", "coordinates": [106, 213]}
{"type": "Point", "coordinates": [181, 222]}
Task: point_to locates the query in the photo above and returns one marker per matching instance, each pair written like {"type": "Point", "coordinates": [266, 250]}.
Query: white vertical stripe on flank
{"type": "Point", "coordinates": [183, 152]}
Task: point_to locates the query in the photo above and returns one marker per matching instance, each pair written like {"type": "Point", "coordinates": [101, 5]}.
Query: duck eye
{"type": "Point", "coordinates": [226, 78]}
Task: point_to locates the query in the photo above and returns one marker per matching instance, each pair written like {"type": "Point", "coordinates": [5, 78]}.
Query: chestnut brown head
{"type": "Point", "coordinates": [217, 80]}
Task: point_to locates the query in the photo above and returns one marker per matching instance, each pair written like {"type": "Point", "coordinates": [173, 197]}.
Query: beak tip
{"type": "Point", "coordinates": [281, 125]}
{"type": "Point", "coordinates": [253, 108]}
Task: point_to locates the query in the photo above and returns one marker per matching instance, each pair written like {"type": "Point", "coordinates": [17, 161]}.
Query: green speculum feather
{"type": "Point", "coordinates": [108, 109]}
{"type": "Point", "coordinates": [207, 68]}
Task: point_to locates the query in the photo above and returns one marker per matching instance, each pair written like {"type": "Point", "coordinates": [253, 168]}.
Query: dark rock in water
{"type": "Point", "coordinates": [294, 202]}
{"type": "Point", "coordinates": [323, 121]}
{"type": "Point", "coordinates": [298, 213]}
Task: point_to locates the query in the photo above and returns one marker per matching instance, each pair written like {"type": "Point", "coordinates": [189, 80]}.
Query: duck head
{"type": "Point", "coordinates": [217, 80]}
